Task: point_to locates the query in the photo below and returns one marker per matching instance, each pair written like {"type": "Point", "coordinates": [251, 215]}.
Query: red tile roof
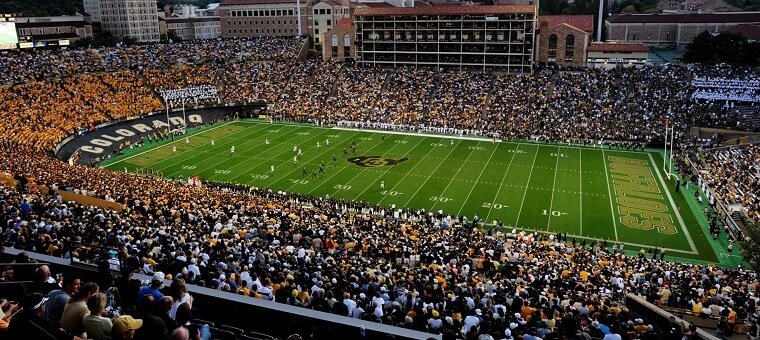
{"type": "Point", "coordinates": [751, 32]}
{"type": "Point", "coordinates": [617, 47]}
{"type": "Point", "coordinates": [376, 4]}
{"type": "Point", "coordinates": [582, 22]}
{"type": "Point", "coordinates": [345, 23]}
{"type": "Point", "coordinates": [438, 10]}
{"type": "Point", "coordinates": [726, 17]}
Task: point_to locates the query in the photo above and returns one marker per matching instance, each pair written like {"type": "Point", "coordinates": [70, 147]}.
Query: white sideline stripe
{"type": "Point", "coordinates": [482, 139]}
{"type": "Point", "coordinates": [167, 144]}
{"type": "Point", "coordinates": [609, 192]}
{"type": "Point", "coordinates": [673, 205]}
{"type": "Point", "coordinates": [554, 189]}
{"type": "Point", "coordinates": [478, 180]}
{"type": "Point", "coordinates": [527, 184]}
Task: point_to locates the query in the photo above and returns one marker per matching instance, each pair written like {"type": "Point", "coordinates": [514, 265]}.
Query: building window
{"type": "Point", "coordinates": [316, 31]}
{"type": "Point", "coordinates": [346, 40]}
{"type": "Point", "coordinates": [316, 22]}
{"type": "Point", "coordinates": [553, 42]}
{"type": "Point", "coordinates": [334, 40]}
{"type": "Point", "coordinates": [570, 42]}
{"type": "Point", "coordinates": [329, 22]}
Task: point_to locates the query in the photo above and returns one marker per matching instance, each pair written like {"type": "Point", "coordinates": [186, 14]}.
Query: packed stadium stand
{"type": "Point", "coordinates": [426, 271]}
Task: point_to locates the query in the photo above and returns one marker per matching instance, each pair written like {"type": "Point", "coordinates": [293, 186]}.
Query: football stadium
{"type": "Point", "coordinates": [415, 171]}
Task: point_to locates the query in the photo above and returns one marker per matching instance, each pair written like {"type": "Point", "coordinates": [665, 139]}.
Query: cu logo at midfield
{"type": "Point", "coordinates": [375, 161]}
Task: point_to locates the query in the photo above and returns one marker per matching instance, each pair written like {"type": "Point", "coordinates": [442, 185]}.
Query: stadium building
{"type": "Point", "coordinates": [474, 37]}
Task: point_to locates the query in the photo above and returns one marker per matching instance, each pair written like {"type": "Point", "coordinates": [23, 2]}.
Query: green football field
{"type": "Point", "coordinates": [587, 193]}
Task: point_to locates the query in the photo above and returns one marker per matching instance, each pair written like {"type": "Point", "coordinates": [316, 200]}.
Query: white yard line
{"type": "Point", "coordinates": [496, 147]}
{"type": "Point", "coordinates": [312, 159]}
{"type": "Point", "coordinates": [527, 184]}
{"type": "Point", "coordinates": [612, 206]}
{"type": "Point", "coordinates": [389, 168]}
{"type": "Point", "coordinates": [455, 176]}
{"type": "Point", "coordinates": [167, 144]}
{"type": "Point", "coordinates": [673, 204]}
{"type": "Point", "coordinates": [430, 175]}
{"type": "Point", "coordinates": [255, 130]}
{"type": "Point", "coordinates": [554, 189]}
{"type": "Point", "coordinates": [407, 173]}
{"type": "Point", "coordinates": [361, 171]}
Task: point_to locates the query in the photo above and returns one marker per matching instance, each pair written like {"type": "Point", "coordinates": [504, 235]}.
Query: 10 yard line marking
{"type": "Point", "coordinates": [463, 164]}
{"type": "Point", "coordinates": [525, 193]}
{"type": "Point", "coordinates": [609, 191]}
{"type": "Point", "coordinates": [478, 179]}
{"type": "Point", "coordinates": [551, 202]}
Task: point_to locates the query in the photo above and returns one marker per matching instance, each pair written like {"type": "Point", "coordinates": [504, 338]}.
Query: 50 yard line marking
{"type": "Point", "coordinates": [525, 193]}
{"type": "Point", "coordinates": [609, 191]}
{"type": "Point", "coordinates": [554, 189]}
{"type": "Point", "coordinates": [389, 168]}
{"type": "Point", "coordinates": [463, 164]}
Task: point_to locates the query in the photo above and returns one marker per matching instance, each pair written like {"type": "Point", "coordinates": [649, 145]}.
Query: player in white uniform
{"type": "Point", "coordinates": [452, 142]}
{"type": "Point", "coordinates": [300, 153]}
{"type": "Point", "coordinates": [187, 140]}
{"type": "Point", "coordinates": [271, 168]}
{"type": "Point", "coordinates": [266, 142]}
{"type": "Point", "coordinates": [318, 145]}
{"type": "Point", "coordinates": [382, 184]}
{"type": "Point", "coordinates": [174, 149]}
{"type": "Point", "coordinates": [213, 142]}
{"type": "Point", "coordinates": [232, 149]}
{"type": "Point", "coordinates": [327, 142]}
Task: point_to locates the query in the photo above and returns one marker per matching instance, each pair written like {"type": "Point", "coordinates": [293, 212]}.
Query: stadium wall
{"type": "Point", "coordinates": [106, 139]}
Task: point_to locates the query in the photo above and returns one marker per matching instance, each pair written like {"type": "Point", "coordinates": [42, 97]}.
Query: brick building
{"type": "Point", "coordinates": [673, 29]}
{"type": "Point", "coordinates": [339, 41]}
{"type": "Point", "coordinates": [563, 39]}
{"type": "Point", "coordinates": [267, 18]}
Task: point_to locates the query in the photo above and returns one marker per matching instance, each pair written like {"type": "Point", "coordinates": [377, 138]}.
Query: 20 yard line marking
{"type": "Point", "coordinates": [478, 180]}
{"type": "Point", "coordinates": [462, 165]}
{"type": "Point", "coordinates": [525, 193]}
{"type": "Point", "coordinates": [551, 202]}
{"type": "Point", "coordinates": [612, 207]}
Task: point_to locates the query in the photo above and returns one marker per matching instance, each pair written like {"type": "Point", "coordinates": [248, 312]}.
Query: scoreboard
{"type": "Point", "coordinates": [8, 35]}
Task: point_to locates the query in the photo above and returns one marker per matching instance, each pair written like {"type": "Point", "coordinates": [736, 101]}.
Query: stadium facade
{"type": "Point", "coordinates": [472, 37]}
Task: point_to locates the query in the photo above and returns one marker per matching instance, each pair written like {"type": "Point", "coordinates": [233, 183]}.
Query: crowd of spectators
{"type": "Point", "coordinates": [734, 174]}
{"type": "Point", "coordinates": [427, 271]}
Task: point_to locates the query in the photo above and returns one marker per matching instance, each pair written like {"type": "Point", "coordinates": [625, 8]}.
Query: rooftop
{"type": "Point", "coordinates": [582, 22]}
{"type": "Point", "coordinates": [724, 17]}
{"type": "Point", "coordinates": [617, 47]}
{"type": "Point", "coordinates": [438, 10]}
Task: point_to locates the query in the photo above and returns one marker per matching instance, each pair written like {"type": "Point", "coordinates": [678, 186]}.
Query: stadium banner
{"type": "Point", "coordinates": [104, 141]}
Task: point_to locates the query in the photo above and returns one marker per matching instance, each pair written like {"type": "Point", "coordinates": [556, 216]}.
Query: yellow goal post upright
{"type": "Point", "coordinates": [667, 160]}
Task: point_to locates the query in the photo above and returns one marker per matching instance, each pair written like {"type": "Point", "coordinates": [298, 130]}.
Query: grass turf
{"type": "Point", "coordinates": [543, 187]}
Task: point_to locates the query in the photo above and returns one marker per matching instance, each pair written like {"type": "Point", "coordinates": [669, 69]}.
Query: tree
{"type": "Point", "coordinates": [722, 48]}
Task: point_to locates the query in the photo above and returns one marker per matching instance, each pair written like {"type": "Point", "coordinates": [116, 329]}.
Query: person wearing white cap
{"type": "Point", "coordinates": [153, 288]}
